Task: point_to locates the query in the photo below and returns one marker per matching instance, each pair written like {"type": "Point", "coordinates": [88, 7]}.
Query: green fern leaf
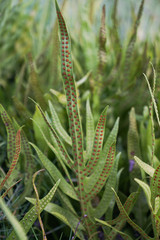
{"type": "Point", "coordinates": [31, 216]}
{"type": "Point", "coordinates": [64, 215]}
{"type": "Point", "coordinates": [55, 174]}
{"type": "Point", "coordinates": [147, 168]}
{"type": "Point", "coordinates": [108, 193]}
{"type": "Point", "coordinates": [15, 158]}
{"type": "Point", "coordinates": [58, 126]}
{"type": "Point", "coordinates": [146, 189]}
{"type": "Point", "coordinates": [19, 231]}
{"type": "Point", "coordinates": [89, 130]}
{"type": "Point", "coordinates": [125, 236]}
{"type": "Point", "coordinates": [127, 218]}
{"type": "Point", "coordinates": [11, 133]}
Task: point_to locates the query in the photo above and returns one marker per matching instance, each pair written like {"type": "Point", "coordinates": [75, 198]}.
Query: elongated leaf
{"type": "Point", "coordinates": [58, 126]}
{"type": "Point", "coordinates": [11, 133]}
{"type": "Point", "coordinates": [15, 158]}
{"type": "Point", "coordinates": [153, 100]}
{"type": "Point", "coordinates": [64, 215]}
{"type": "Point", "coordinates": [89, 182]}
{"type": "Point", "coordinates": [98, 142]}
{"type": "Point", "coordinates": [33, 83]}
{"type": "Point", "coordinates": [108, 193]}
{"type": "Point", "coordinates": [83, 80]}
{"type": "Point", "coordinates": [131, 44]}
{"type": "Point", "coordinates": [31, 216]}
{"type": "Point", "coordinates": [112, 136]}
{"type": "Point", "coordinates": [59, 150]}
{"type": "Point", "coordinates": [59, 145]}
{"type": "Point", "coordinates": [6, 192]}
{"type": "Point", "coordinates": [65, 201]}
{"type": "Point", "coordinates": [120, 221]}
{"type": "Point", "coordinates": [19, 231]}
{"type": "Point", "coordinates": [102, 46]}
{"type": "Point", "coordinates": [155, 185]}
{"type": "Point", "coordinates": [128, 206]}
{"type": "Point", "coordinates": [38, 204]}
{"type": "Point", "coordinates": [29, 165]}
{"type": "Point", "coordinates": [89, 130]}
{"type": "Point", "coordinates": [157, 205]}
{"type": "Point", "coordinates": [71, 94]}
{"type": "Point", "coordinates": [146, 189]}
{"type": "Point", "coordinates": [125, 236]}
{"type": "Point", "coordinates": [97, 180]}
{"type": "Point", "coordinates": [55, 174]}
{"type": "Point", "coordinates": [125, 215]}
{"type": "Point", "coordinates": [147, 168]}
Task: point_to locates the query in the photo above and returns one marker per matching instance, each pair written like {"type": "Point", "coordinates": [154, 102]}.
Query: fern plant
{"type": "Point", "coordinates": [150, 187]}
{"type": "Point", "coordinates": [92, 166]}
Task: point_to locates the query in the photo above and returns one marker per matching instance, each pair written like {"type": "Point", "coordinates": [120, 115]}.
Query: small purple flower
{"type": "Point", "coordinates": [131, 164]}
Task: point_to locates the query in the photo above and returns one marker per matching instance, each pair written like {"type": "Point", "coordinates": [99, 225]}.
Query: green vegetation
{"type": "Point", "coordinates": [85, 118]}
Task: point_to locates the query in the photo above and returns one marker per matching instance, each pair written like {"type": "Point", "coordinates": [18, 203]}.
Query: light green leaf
{"type": "Point", "coordinates": [108, 193]}
{"type": "Point", "coordinates": [19, 231]}
{"type": "Point", "coordinates": [89, 182]}
{"type": "Point", "coordinates": [31, 216]}
{"type": "Point", "coordinates": [58, 126]}
{"type": "Point", "coordinates": [153, 99]}
{"type": "Point", "coordinates": [11, 133]}
{"type": "Point", "coordinates": [146, 190]}
{"type": "Point", "coordinates": [64, 215]}
{"type": "Point", "coordinates": [55, 174]}
{"type": "Point", "coordinates": [83, 80]}
{"type": "Point", "coordinates": [89, 130]}
{"type": "Point", "coordinates": [147, 168]}
{"type": "Point", "coordinates": [125, 236]}
{"type": "Point", "coordinates": [128, 219]}
{"type": "Point", "coordinates": [157, 205]}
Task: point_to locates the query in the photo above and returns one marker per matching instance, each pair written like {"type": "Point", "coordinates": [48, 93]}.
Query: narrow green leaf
{"type": "Point", "coordinates": [108, 193]}
{"type": "Point", "coordinates": [15, 158]}
{"type": "Point", "coordinates": [90, 182]}
{"type": "Point", "coordinates": [157, 205]}
{"type": "Point", "coordinates": [38, 118]}
{"type": "Point", "coordinates": [128, 219]}
{"type": "Point", "coordinates": [38, 203]}
{"type": "Point", "coordinates": [120, 221]}
{"type": "Point", "coordinates": [155, 185]}
{"type": "Point", "coordinates": [153, 100]}
{"type": "Point", "coordinates": [128, 206]}
{"type": "Point", "coordinates": [64, 215]}
{"type": "Point", "coordinates": [19, 231]}
{"type": "Point", "coordinates": [31, 216]}
{"type": "Point", "coordinates": [147, 168]}
{"type": "Point", "coordinates": [131, 44]}
{"type": "Point", "coordinates": [58, 126]}
{"type": "Point", "coordinates": [83, 80]}
{"type": "Point", "coordinates": [146, 190]}
{"type": "Point", "coordinates": [29, 165]}
{"type": "Point", "coordinates": [125, 236]}
{"type": "Point", "coordinates": [96, 181]}
{"type": "Point", "coordinates": [59, 145]}
{"type": "Point", "coordinates": [11, 133]}
{"type": "Point", "coordinates": [71, 94]}
{"type": "Point", "coordinates": [98, 142]}
{"type": "Point", "coordinates": [55, 174]}
{"type": "Point", "coordinates": [89, 130]}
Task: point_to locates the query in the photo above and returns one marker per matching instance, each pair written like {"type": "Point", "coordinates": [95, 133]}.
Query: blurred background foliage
{"type": "Point", "coordinates": [112, 47]}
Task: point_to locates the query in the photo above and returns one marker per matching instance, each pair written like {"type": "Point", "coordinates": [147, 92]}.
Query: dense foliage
{"type": "Point", "coordinates": [85, 118]}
